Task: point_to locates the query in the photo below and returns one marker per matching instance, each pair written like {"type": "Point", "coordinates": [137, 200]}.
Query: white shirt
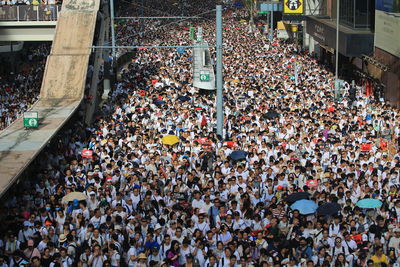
{"type": "Point", "coordinates": [197, 203]}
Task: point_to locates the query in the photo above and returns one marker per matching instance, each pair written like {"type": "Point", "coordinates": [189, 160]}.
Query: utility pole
{"type": "Point", "coordinates": [114, 55]}
{"type": "Point", "coordinates": [142, 14]}
{"type": "Point", "coordinates": [182, 7]}
{"type": "Point", "coordinates": [337, 93]}
{"type": "Point", "coordinates": [271, 35]}
{"type": "Point", "coordinates": [219, 78]}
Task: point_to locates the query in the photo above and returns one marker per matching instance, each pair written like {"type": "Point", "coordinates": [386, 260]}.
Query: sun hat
{"type": "Point", "coordinates": [62, 238]}
{"type": "Point", "coordinates": [142, 256]}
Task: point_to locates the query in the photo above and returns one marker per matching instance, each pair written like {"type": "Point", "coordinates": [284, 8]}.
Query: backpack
{"type": "Point", "coordinates": [78, 252]}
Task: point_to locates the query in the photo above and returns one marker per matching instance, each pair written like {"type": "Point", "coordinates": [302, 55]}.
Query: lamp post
{"type": "Point", "coordinates": [114, 54]}
{"type": "Point", "coordinates": [219, 78]}
{"type": "Point", "coordinates": [337, 92]}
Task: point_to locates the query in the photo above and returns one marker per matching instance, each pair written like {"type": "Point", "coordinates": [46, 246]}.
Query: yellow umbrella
{"type": "Point", "coordinates": [74, 195]}
{"type": "Point", "coordinates": [170, 140]}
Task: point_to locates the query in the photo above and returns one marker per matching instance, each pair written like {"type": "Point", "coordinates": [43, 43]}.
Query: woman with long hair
{"type": "Point", "coordinates": [341, 261]}
{"type": "Point", "coordinates": [173, 254]}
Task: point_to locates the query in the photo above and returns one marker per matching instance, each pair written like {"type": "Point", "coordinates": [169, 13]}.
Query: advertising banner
{"type": "Point", "coordinates": [387, 25]}
{"type": "Point", "coordinates": [293, 6]}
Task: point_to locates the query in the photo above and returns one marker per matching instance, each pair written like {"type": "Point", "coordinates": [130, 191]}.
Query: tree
{"type": "Point", "coordinates": [250, 7]}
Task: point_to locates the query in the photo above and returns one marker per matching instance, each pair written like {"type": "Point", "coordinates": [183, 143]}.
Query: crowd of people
{"type": "Point", "coordinates": [19, 90]}
{"type": "Point", "coordinates": [29, 10]}
{"type": "Point", "coordinates": [208, 200]}
{"type": "Point", "coordinates": [29, 2]}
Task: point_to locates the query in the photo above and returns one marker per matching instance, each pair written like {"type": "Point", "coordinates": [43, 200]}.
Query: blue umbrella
{"type": "Point", "coordinates": [238, 155]}
{"type": "Point", "coordinates": [304, 206]}
{"type": "Point", "coordinates": [159, 102]}
{"type": "Point", "coordinates": [184, 98]}
{"type": "Point", "coordinates": [239, 4]}
{"type": "Point", "coordinates": [369, 203]}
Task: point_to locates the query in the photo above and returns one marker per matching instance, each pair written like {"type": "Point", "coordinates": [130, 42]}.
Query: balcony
{"type": "Point", "coordinates": [28, 22]}
{"type": "Point", "coordinates": [29, 13]}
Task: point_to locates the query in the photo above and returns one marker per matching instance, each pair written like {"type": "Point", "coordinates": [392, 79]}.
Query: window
{"type": "Point", "coordinates": [356, 13]}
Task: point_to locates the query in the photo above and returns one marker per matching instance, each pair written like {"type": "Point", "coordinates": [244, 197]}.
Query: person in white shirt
{"type": "Point", "coordinates": [338, 248]}
{"type": "Point", "coordinates": [202, 225]}
{"type": "Point", "coordinates": [3, 262]}
{"type": "Point", "coordinates": [96, 259]}
{"type": "Point", "coordinates": [114, 255]}
{"type": "Point", "coordinates": [132, 254]}
{"type": "Point", "coordinates": [65, 259]}
{"type": "Point", "coordinates": [197, 202]}
{"type": "Point", "coordinates": [96, 219]}
{"type": "Point", "coordinates": [394, 241]}
{"type": "Point", "coordinates": [57, 260]}
{"type": "Point", "coordinates": [350, 244]}
{"type": "Point", "coordinates": [334, 227]}
{"type": "Point", "coordinates": [155, 256]}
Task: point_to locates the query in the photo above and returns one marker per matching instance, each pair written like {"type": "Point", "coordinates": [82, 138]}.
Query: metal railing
{"type": "Point", "coordinates": [29, 12]}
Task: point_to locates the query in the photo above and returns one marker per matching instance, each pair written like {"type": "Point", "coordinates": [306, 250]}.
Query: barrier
{"type": "Point", "coordinates": [30, 12]}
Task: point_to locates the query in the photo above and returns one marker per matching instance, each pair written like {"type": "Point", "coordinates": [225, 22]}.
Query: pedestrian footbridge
{"type": "Point", "coordinates": [61, 92]}
{"type": "Point", "coordinates": [28, 22]}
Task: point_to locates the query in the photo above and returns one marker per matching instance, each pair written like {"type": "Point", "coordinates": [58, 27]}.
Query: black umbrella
{"type": "Point", "coordinates": [329, 209]}
{"type": "Point", "coordinates": [297, 196]}
{"type": "Point", "coordinates": [238, 155]}
{"type": "Point", "coordinates": [271, 114]}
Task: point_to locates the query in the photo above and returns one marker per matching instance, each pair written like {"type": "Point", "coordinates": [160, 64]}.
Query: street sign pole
{"type": "Point", "coordinates": [114, 54]}
{"type": "Point", "coordinates": [219, 78]}
{"type": "Point", "coordinates": [296, 74]}
{"type": "Point", "coordinates": [199, 34]}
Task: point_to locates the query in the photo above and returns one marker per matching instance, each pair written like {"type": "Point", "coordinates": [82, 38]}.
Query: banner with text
{"type": "Point", "coordinates": [387, 25]}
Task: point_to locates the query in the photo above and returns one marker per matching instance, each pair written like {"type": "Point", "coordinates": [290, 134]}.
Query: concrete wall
{"type": "Point", "coordinates": [14, 31]}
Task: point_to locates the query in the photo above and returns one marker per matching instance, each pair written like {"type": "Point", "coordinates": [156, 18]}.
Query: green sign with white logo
{"type": "Point", "coordinates": [31, 119]}
{"type": "Point", "coordinates": [205, 77]}
{"type": "Point", "coordinates": [192, 33]}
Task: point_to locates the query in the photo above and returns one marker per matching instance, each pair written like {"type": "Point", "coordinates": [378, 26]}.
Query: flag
{"type": "Point", "coordinates": [203, 121]}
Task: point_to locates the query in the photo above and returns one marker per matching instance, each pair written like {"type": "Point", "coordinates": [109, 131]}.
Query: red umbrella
{"type": "Point", "coordinates": [204, 141]}
{"type": "Point", "coordinates": [229, 144]}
